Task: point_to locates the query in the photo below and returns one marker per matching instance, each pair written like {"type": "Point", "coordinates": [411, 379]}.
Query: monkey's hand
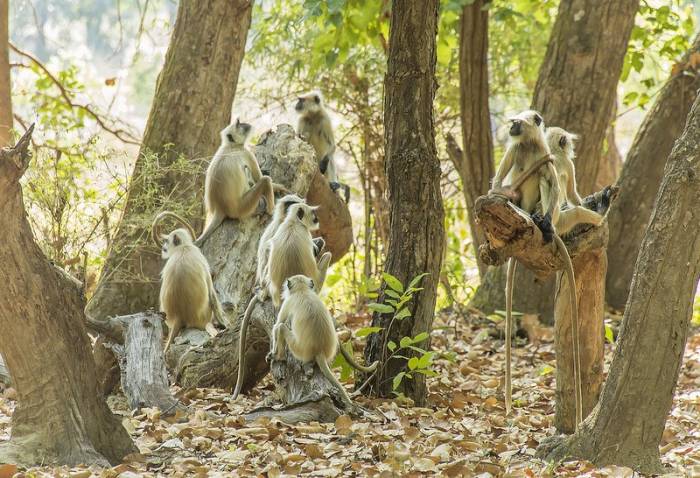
{"type": "Point", "coordinates": [511, 195]}
{"type": "Point", "coordinates": [323, 164]}
{"type": "Point", "coordinates": [544, 223]}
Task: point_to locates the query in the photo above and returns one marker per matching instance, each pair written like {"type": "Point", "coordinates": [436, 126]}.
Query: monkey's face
{"type": "Point", "coordinates": [298, 283]}
{"type": "Point", "coordinates": [561, 142]}
{"type": "Point", "coordinates": [308, 103]}
{"type": "Point", "coordinates": [526, 126]}
{"type": "Point", "coordinates": [174, 240]}
{"type": "Point", "coordinates": [305, 214]}
{"type": "Point", "coordinates": [236, 133]}
{"type": "Point", "coordinates": [286, 202]}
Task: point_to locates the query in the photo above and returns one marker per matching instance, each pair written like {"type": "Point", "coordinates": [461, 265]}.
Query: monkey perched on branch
{"type": "Point", "coordinates": [534, 187]}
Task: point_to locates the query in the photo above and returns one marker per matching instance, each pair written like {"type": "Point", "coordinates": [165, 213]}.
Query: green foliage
{"type": "Point", "coordinates": [661, 35]}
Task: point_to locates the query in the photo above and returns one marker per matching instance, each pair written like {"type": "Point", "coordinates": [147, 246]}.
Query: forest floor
{"type": "Point", "coordinates": [462, 432]}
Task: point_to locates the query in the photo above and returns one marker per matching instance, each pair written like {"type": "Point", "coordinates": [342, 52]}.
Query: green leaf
{"type": "Point", "coordinates": [381, 308]}
{"type": "Point", "coordinates": [420, 337]}
{"type": "Point", "coordinates": [417, 279]}
{"type": "Point", "coordinates": [405, 342]}
{"type": "Point", "coordinates": [397, 380]}
{"type": "Point", "coordinates": [365, 331]}
{"type": "Point", "coordinates": [402, 314]}
{"type": "Point", "coordinates": [546, 370]}
{"type": "Point", "coordinates": [609, 336]}
{"type": "Point", "coordinates": [391, 345]}
{"type": "Point", "coordinates": [413, 363]}
{"type": "Point", "coordinates": [393, 282]}
{"type": "Point", "coordinates": [426, 360]}
{"type": "Point", "coordinates": [392, 293]}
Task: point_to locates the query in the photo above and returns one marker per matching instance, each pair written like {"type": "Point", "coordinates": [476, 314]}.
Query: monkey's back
{"type": "Point", "coordinates": [183, 293]}
{"type": "Point", "coordinates": [292, 253]}
{"type": "Point", "coordinates": [226, 181]}
{"type": "Point", "coordinates": [313, 127]}
{"type": "Point", "coordinates": [313, 325]}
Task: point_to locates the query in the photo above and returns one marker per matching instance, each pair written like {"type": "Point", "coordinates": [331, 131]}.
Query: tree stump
{"type": "Point", "coordinates": [510, 232]}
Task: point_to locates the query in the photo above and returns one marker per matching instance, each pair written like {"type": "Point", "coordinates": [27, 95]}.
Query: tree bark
{"type": "Point", "coordinates": [626, 426]}
{"type": "Point", "coordinates": [192, 103]}
{"type": "Point", "coordinates": [64, 420]}
{"type": "Point", "coordinates": [5, 378]}
{"type": "Point", "coordinates": [586, 47]}
{"type": "Point", "coordinates": [6, 119]}
{"type": "Point", "coordinates": [144, 377]}
{"type": "Point", "coordinates": [475, 162]}
{"type": "Point", "coordinates": [611, 160]}
{"type": "Point", "coordinates": [643, 172]}
{"type": "Point", "coordinates": [417, 233]}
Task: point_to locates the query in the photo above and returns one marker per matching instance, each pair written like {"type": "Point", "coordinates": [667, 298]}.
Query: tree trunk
{"type": "Point", "coordinates": [192, 103]}
{"type": "Point", "coordinates": [626, 426]}
{"type": "Point", "coordinates": [643, 171]}
{"type": "Point", "coordinates": [475, 162]}
{"type": "Point", "coordinates": [64, 420]}
{"type": "Point", "coordinates": [5, 83]}
{"type": "Point", "coordinates": [417, 231]}
{"type": "Point", "coordinates": [589, 273]}
{"type": "Point", "coordinates": [611, 160]}
{"type": "Point", "coordinates": [586, 47]}
{"type": "Point", "coordinates": [5, 378]}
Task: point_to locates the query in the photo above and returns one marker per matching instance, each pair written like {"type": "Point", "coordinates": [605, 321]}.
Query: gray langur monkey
{"type": "Point", "coordinates": [292, 252]}
{"type": "Point", "coordinates": [227, 192]}
{"type": "Point", "coordinates": [534, 187]}
{"type": "Point", "coordinates": [561, 143]}
{"type": "Point", "coordinates": [315, 128]}
{"type": "Point", "coordinates": [281, 209]}
{"type": "Point", "coordinates": [306, 327]}
{"type": "Point", "coordinates": [187, 294]}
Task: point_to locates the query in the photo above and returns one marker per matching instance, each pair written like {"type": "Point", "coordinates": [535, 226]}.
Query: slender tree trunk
{"type": "Point", "coordinates": [192, 104]}
{"type": "Point", "coordinates": [611, 160]}
{"type": "Point", "coordinates": [586, 47]}
{"type": "Point", "coordinates": [643, 172]}
{"type": "Point", "coordinates": [475, 163]}
{"type": "Point", "coordinates": [5, 84]}
{"type": "Point", "coordinates": [417, 232]}
{"type": "Point", "coordinates": [61, 416]}
{"type": "Point", "coordinates": [626, 426]}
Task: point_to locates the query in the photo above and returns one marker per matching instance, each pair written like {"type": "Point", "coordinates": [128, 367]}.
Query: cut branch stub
{"type": "Point", "coordinates": [512, 233]}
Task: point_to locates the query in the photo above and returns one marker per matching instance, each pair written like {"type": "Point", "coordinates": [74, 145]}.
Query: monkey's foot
{"type": "Point", "coordinates": [544, 223]}
{"type": "Point", "coordinates": [346, 189]}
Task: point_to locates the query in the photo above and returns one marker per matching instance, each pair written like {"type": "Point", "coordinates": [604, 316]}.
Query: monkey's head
{"type": "Point", "coordinates": [561, 142]}
{"type": "Point", "coordinates": [236, 133]}
{"type": "Point", "coordinates": [297, 283]}
{"type": "Point", "coordinates": [282, 206]}
{"type": "Point", "coordinates": [305, 214]}
{"type": "Point", "coordinates": [526, 126]}
{"type": "Point", "coordinates": [309, 103]}
{"type": "Point", "coordinates": [174, 240]}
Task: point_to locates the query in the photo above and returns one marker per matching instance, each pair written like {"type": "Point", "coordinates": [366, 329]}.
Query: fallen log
{"type": "Point", "coordinates": [510, 232]}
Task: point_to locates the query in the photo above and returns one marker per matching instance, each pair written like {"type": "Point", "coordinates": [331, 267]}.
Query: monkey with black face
{"type": "Point", "coordinates": [227, 193]}
{"type": "Point", "coordinates": [561, 143]}
{"type": "Point", "coordinates": [306, 327]}
{"type": "Point", "coordinates": [534, 187]}
{"type": "Point", "coordinates": [315, 127]}
{"type": "Point", "coordinates": [187, 294]}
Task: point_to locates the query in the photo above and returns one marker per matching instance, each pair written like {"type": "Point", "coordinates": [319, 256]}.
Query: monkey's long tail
{"type": "Point", "coordinates": [351, 360]}
{"type": "Point", "coordinates": [242, 344]}
{"type": "Point", "coordinates": [574, 328]}
{"type": "Point", "coordinates": [509, 331]}
{"type": "Point", "coordinates": [215, 222]}
{"type": "Point", "coordinates": [328, 373]}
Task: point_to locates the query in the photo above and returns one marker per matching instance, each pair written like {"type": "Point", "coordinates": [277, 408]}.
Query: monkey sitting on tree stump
{"type": "Point", "coordinates": [511, 232]}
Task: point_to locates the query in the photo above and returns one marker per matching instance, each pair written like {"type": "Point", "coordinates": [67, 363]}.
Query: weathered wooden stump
{"type": "Point", "coordinates": [510, 232]}
{"type": "Point", "coordinates": [198, 360]}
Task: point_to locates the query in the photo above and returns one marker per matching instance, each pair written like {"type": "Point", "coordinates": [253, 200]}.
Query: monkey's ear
{"type": "Point", "coordinates": [562, 141]}
{"type": "Point", "coordinates": [230, 137]}
{"type": "Point", "coordinates": [317, 99]}
{"type": "Point", "coordinates": [176, 240]}
{"type": "Point", "coordinates": [538, 119]}
{"type": "Point", "coordinates": [289, 284]}
{"type": "Point", "coordinates": [300, 213]}
{"type": "Point", "coordinates": [311, 284]}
